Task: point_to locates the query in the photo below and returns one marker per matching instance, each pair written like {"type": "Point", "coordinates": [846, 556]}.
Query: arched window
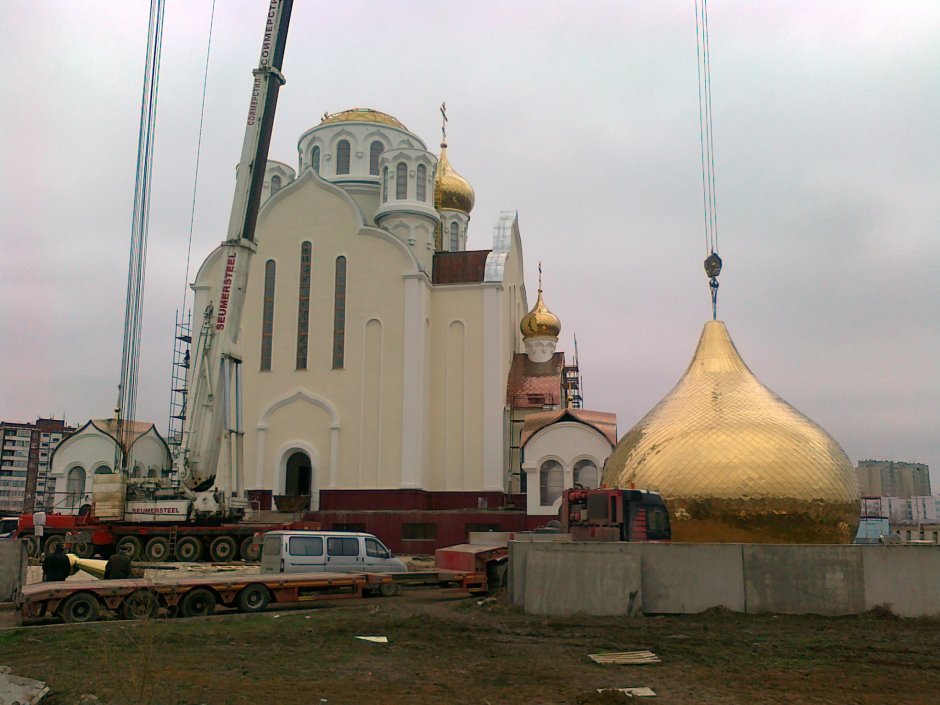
{"type": "Point", "coordinates": [375, 151]}
{"type": "Point", "coordinates": [315, 159]}
{"type": "Point", "coordinates": [454, 236]}
{"type": "Point", "coordinates": [102, 470]}
{"type": "Point", "coordinates": [342, 157]}
{"type": "Point", "coordinates": [550, 482]}
{"type": "Point", "coordinates": [275, 184]}
{"type": "Point", "coordinates": [303, 304]}
{"type": "Point", "coordinates": [421, 184]}
{"type": "Point", "coordinates": [339, 315]}
{"type": "Point", "coordinates": [401, 181]}
{"type": "Point", "coordinates": [585, 473]}
{"type": "Point", "coordinates": [384, 184]}
{"type": "Point", "coordinates": [75, 487]}
{"type": "Point", "coordinates": [267, 315]}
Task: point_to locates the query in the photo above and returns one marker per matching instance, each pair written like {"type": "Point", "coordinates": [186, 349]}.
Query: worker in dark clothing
{"type": "Point", "coordinates": [118, 567]}
{"type": "Point", "coordinates": [56, 565]}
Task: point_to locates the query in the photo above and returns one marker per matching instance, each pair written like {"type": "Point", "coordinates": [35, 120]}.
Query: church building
{"type": "Point", "coordinates": [395, 380]}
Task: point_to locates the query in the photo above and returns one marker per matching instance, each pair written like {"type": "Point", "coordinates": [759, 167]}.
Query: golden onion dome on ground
{"type": "Point", "coordinates": [362, 115]}
{"type": "Point", "coordinates": [735, 462]}
{"type": "Point", "coordinates": [540, 321]}
{"type": "Point", "coordinates": [451, 190]}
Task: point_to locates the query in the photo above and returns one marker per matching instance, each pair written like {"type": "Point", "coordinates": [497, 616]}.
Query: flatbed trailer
{"type": "Point", "coordinates": [473, 582]}
{"type": "Point", "coordinates": [78, 601]}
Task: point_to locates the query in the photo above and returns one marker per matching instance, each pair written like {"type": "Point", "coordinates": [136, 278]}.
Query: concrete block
{"type": "Point", "coordinates": [515, 581]}
{"type": "Point", "coordinates": [905, 577]}
{"type": "Point", "coordinates": [577, 578]}
{"type": "Point", "coordinates": [687, 578]}
{"type": "Point", "coordinates": [489, 538]}
{"type": "Point", "coordinates": [13, 562]}
{"type": "Point", "coordinates": [802, 579]}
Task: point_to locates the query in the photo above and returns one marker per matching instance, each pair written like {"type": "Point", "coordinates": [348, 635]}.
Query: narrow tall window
{"type": "Point", "coordinates": [315, 159]}
{"type": "Point", "coordinates": [339, 315]}
{"type": "Point", "coordinates": [275, 184]}
{"type": "Point", "coordinates": [421, 185]}
{"type": "Point", "coordinates": [75, 487]}
{"type": "Point", "coordinates": [401, 181]}
{"type": "Point", "coordinates": [303, 305]}
{"type": "Point", "coordinates": [384, 184]}
{"type": "Point", "coordinates": [267, 315]}
{"type": "Point", "coordinates": [550, 482]}
{"type": "Point", "coordinates": [342, 157]}
{"type": "Point", "coordinates": [375, 151]}
{"type": "Point", "coordinates": [454, 236]}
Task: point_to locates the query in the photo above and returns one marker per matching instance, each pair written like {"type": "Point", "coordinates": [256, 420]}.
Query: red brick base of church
{"type": "Point", "coordinates": [415, 521]}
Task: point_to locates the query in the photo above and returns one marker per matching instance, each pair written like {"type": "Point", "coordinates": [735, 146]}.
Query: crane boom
{"type": "Point", "coordinates": [213, 423]}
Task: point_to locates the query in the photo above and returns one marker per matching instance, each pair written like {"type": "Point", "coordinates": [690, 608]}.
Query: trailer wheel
{"type": "Point", "coordinates": [51, 542]}
{"type": "Point", "coordinates": [141, 604]}
{"type": "Point", "coordinates": [80, 608]}
{"type": "Point", "coordinates": [251, 551]}
{"type": "Point", "coordinates": [189, 549]}
{"type": "Point", "coordinates": [32, 545]}
{"type": "Point", "coordinates": [222, 549]}
{"type": "Point", "coordinates": [158, 549]}
{"type": "Point", "coordinates": [130, 546]}
{"type": "Point", "coordinates": [388, 589]}
{"type": "Point", "coordinates": [253, 598]}
{"type": "Point", "coordinates": [197, 603]}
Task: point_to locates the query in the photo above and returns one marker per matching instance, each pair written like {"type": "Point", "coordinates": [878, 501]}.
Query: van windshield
{"type": "Point", "coordinates": [272, 547]}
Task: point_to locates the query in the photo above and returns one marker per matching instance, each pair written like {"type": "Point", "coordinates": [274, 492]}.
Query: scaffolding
{"type": "Point", "coordinates": [178, 390]}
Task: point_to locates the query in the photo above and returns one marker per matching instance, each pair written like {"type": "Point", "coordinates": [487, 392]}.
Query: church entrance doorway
{"type": "Point", "coordinates": [298, 481]}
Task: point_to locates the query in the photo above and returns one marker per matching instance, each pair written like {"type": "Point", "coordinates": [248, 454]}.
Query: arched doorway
{"type": "Point", "coordinates": [298, 477]}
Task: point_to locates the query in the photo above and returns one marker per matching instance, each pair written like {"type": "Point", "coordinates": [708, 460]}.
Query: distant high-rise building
{"type": "Point", "coordinates": [887, 478]}
{"type": "Point", "coordinates": [25, 452]}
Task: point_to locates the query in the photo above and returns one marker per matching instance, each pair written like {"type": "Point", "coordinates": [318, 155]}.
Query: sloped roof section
{"type": "Point", "coordinates": [459, 267]}
{"type": "Point", "coordinates": [133, 429]}
{"type": "Point", "coordinates": [534, 384]}
{"type": "Point", "coordinates": [603, 422]}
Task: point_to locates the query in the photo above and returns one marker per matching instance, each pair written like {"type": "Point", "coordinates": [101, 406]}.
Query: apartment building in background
{"type": "Point", "coordinates": [25, 454]}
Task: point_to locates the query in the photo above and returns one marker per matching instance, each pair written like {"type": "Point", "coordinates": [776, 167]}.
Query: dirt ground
{"type": "Point", "coordinates": [445, 647]}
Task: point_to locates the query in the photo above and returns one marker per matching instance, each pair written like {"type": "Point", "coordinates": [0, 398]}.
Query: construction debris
{"type": "Point", "coordinates": [16, 689]}
{"type": "Point", "coordinates": [642, 692]}
{"type": "Point", "coordinates": [374, 639]}
{"type": "Point", "coordinates": [625, 657]}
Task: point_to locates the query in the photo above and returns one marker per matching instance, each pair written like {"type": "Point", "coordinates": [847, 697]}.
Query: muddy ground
{"type": "Point", "coordinates": [445, 647]}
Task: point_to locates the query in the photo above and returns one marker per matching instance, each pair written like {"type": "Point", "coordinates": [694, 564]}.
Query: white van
{"type": "Point", "coordinates": [326, 552]}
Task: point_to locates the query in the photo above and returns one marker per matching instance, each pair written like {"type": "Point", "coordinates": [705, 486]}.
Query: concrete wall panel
{"type": "Point", "coordinates": [12, 567]}
{"type": "Point", "coordinates": [827, 580]}
{"type": "Point", "coordinates": [907, 578]}
{"type": "Point", "coordinates": [682, 578]}
{"type": "Point", "coordinates": [582, 579]}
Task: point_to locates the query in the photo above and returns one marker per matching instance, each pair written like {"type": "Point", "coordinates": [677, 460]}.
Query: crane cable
{"type": "Point", "coordinates": [202, 115]}
{"type": "Point", "coordinates": [707, 141]}
{"type": "Point", "coordinates": [133, 312]}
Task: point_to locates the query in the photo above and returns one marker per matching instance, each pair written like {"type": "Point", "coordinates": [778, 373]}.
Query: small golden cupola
{"type": "Point", "coordinates": [453, 199]}
{"type": "Point", "coordinates": [540, 328]}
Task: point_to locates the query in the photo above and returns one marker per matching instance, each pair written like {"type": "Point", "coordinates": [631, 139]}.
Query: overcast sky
{"type": "Point", "coordinates": [582, 116]}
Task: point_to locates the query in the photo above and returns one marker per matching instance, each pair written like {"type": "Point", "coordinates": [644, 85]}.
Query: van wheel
{"type": "Point", "coordinates": [80, 608]}
{"type": "Point", "coordinates": [388, 589]}
{"type": "Point", "coordinates": [222, 549]}
{"type": "Point", "coordinates": [140, 604]}
{"type": "Point", "coordinates": [253, 598]}
{"type": "Point", "coordinates": [198, 603]}
{"type": "Point", "coordinates": [251, 551]}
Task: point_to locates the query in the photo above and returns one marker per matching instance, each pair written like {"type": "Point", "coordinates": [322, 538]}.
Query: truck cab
{"type": "Point", "coordinates": [614, 514]}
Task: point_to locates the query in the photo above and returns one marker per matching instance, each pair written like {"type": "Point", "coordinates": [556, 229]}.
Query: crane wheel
{"type": "Point", "coordinates": [188, 549]}
{"type": "Point", "coordinates": [251, 551]}
{"type": "Point", "coordinates": [197, 603]}
{"type": "Point", "coordinates": [51, 542]}
{"type": "Point", "coordinates": [32, 545]}
{"type": "Point", "coordinates": [80, 608]}
{"type": "Point", "coordinates": [223, 549]}
{"type": "Point", "coordinates": [158, 549]}
{"type": "Point", "coordinates": [253, 598]}
{"type": "Point", "coordinates": [130, 546]}
{"type": "Point", "coordinates": [85, 549]}
{"type": "Point", "coordinates": [141, 604]}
